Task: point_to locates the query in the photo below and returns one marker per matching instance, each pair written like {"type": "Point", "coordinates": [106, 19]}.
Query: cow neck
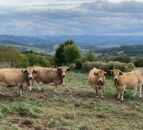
{"type": "Point", "coordinates": [59, 75]}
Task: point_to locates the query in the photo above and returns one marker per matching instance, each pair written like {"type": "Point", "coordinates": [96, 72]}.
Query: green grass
{"type": "Point", "coordinates": [73, 106]}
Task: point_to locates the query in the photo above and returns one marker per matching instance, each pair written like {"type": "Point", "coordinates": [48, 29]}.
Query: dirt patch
{"type": "Point", "coordinates": [27, 123]}
{"type": "Point", "coordinates": [102, 116]}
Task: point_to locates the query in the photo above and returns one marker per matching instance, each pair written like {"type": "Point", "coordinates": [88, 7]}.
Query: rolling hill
{"type": "Point", "coordinates": [48, 44]}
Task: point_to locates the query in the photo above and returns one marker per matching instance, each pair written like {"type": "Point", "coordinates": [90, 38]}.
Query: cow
{"type": "Point", "coordinates": [128, 80]}
{"type": "Point", "coordinates": [139, 75]}
{"type": "Point", "coordinates": [16, 77]}
{"type": "Point", "coordinates": [96, 79]}
{"type": "Point", "coordinates": [52, 76]}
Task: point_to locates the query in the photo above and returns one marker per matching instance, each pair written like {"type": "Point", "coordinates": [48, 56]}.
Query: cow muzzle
{"type": "Point", "coordinates": [115, 79]}
{"type": "Point", "coordinates": [100, 82]}
{"type": "Point", "coordinates": [29, 78]}
{"type": "Point", "coordinates": [63, 76]}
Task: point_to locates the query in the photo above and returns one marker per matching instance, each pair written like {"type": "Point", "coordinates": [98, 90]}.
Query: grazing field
{"type": "Point", "coordinates": [73, 106]}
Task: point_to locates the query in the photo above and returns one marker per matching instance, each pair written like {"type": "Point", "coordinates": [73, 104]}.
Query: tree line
{"type": "Point", "coordinates": [66, 54]}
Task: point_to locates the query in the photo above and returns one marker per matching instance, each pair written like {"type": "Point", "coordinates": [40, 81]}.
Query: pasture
{"type": "Point", "coordinates": [73, 106]}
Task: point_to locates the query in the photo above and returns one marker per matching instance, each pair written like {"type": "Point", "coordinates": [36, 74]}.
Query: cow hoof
{"type": "Point", "coordinates": [97, 96]}
{"type": "Point", "coordinates": [118, 97]}
{"type": "Point", "coordinates": [102, 97]}
{"type": "Point", "coordinates": [21, 95]}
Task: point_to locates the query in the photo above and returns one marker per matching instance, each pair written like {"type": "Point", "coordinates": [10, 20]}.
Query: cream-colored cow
{"type": "Point", "coordinates": [96, 78]}
{"type": "Point", "coordinates": [16, 77]}
{"type": "Point", "coordinates": [129, 80]}
{"type": "Point", "coordinates": [52, 76]}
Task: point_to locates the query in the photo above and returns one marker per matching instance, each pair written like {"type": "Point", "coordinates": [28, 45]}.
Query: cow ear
{"type": "Point", "coordinates": [59, 69]}
{"type": "Point", "coordinates": [120, 73]}
{"type": "Point", "coordinates": [95, 73]}
{"type": "Point", "coordinates": [105, 73]}
{"type": "Point", "coordinates": [34, 71]}
{"type": "Point", "coordinates": [24, 70]}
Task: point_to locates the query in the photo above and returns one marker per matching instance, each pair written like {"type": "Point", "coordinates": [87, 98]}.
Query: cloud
{"type": "Point", "coordinates": [69, 17]}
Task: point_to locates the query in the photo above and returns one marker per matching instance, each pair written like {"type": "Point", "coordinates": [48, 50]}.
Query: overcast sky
{"type": "Point", "coordinates": [71, 17]}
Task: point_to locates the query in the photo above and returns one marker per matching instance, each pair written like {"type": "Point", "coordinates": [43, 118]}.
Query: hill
{"type": "Point", "coordinates": [135, 50]}
{"type": "Point", "coordinates": [48, 44]}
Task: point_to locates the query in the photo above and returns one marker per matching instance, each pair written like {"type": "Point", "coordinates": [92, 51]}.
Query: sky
{"type": "Point", "coordinates": [71, 17]}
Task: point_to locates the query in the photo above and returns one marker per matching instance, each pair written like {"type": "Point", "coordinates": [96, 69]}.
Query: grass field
{"type": "Point", "coordinates": [73, 106]}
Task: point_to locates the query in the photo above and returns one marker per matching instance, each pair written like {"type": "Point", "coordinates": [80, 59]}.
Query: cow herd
{"type": "Point", "coordinates": [25, 78]}
{"type": "Point", "coordinates": [129, 80]}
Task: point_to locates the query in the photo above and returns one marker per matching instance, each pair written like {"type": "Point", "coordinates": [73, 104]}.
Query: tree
{"type": "Point", "coordinates": [13, 56]}
{"type": "Point", "coordinates": [60, 56]}
{"type": "Point", "coordinates": [90, 56]}
{"type": "Point", "coordinates": [71, 53]}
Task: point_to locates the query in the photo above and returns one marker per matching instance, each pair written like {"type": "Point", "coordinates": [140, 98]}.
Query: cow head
{"type": "Point", "coordinates": [100, 76]}
{"type": "Point", "coordinates": [116, 73]}
{"type": "Point", "coordinates": [63, 71]}
{"type": "Point", "coordinates": [29, 72]}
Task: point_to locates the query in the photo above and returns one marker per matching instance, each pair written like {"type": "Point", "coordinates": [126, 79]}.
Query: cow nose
{"type": "Point", "coordinates": [100, 81]}
{"type": "Point", "coordinates": [115, 79]}
{"type": "Point", "coordinates": [63, 76]}
{"type": "Point", "coordinates": [30, 78]}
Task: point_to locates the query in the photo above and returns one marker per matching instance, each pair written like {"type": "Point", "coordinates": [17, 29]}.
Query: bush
{"type": "Point", "coordinates": [35, 59]}
{"type": "Point", "coordinates": [13, 57]}
{"type": "Point", "coordinates": [90, 56]}
{"type": "Point", "coordinates": [138, 62]}
{"type": "Point", "coordinates": [123, 58]}
{"type": "Point", "coordinates": [107, 66]}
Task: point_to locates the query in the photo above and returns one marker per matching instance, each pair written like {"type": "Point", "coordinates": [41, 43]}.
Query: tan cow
{"type": "Point", "coordinates": [139, 75]}
{"type": "Point", "coordinates": [129, 80]}
{"type": "Point", "coordinates": [52, 76]}
{"type": "Point", "coordinates": [16, 77]}
{"type": "Point", "coordinates": [96, 78]}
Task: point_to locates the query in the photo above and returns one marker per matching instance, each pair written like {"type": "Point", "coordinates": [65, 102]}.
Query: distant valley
{"type": "Point", "coordinates": [48, 44]}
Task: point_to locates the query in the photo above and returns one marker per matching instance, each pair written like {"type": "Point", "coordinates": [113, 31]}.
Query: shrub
{"type": "Point", "coordinates": [90, 56]}
{"type": "Point", "coordinates": [13, 57]}
{"type": "Point", "coordinates": [107, 66]}
{"type": "Point", "coordinates": [35, 59]}
{"type": "Point", "coordinates": [138, 62]}
{"type": "Point", "coordinates": [123, 58]}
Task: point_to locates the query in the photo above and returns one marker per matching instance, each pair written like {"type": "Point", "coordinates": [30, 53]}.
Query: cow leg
{"type": "Point", "coordinates": [39, 86]}
{"type": "Point", "coordinates": [140, 90]}
{"type": "Point", "coordinates": [122, 95]}
{"type": "Point", "coordinates": [20, 90]}
{"type": "Point", "coordinates": [55, 88]}
{"type": "Point", "coordinates": [31, 84]}
{"type": "Point", "coordinates": [135, 91]}
{"type": "Point", "coordinates": [96, 89]}
{"type": "Point", "coordinates": [119, 94]}
{"type": "Point", "coordinates": [103, 92]}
